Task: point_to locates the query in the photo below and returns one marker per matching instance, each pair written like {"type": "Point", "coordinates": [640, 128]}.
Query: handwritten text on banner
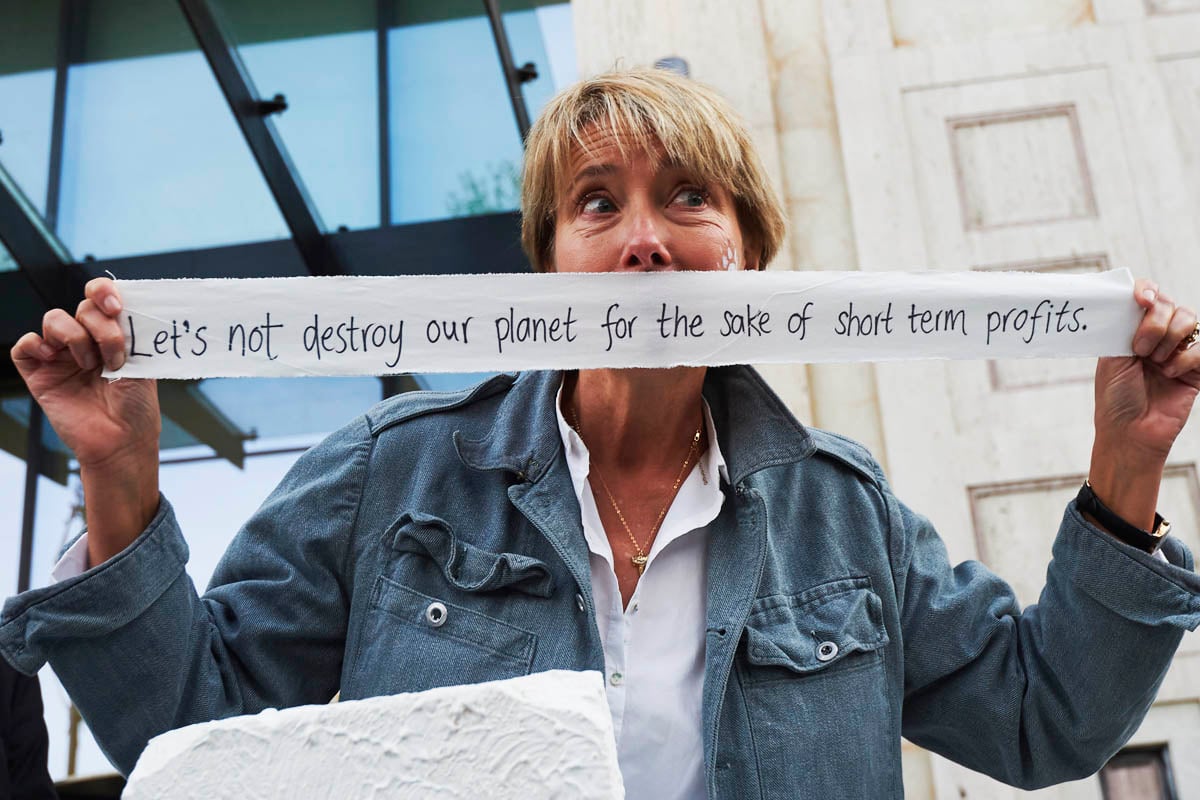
{"type": "Point", "coordinates": [473, 323]}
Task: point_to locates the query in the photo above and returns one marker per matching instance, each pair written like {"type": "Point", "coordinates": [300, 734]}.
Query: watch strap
{"type": "Point", "coordinates": [1088, 503]}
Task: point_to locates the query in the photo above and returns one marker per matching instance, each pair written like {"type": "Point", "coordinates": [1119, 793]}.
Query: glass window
{"type": "Point", "coordinates": [153, 159]}
{"type": "Point", "coordinates": [286, 407]}
{"type": "Point", "coordinates": [26, 109]}
{"type": "Point", "coordinates": [558, 38]}
{"type": "Point", "coordinates": [456, 150]}
{"type": "Point", "coordinates": [1138, 774]}
{"type": "Point", "coordinates": [331, 126]}
{"type": "Point", "coordinates": [322, 57]}
{"type": "Point", "coordinates": [545, 36]}
{"type": "Point", "coordinates": [6, 260]}
{"type": "Point", "coordinates": [455, 146]}
{"type": "Point", "coordinates": [28, 47]}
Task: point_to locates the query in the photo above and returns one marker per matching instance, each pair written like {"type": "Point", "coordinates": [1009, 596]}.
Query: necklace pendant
{"type": "Point", "coordinates": [639, 562]}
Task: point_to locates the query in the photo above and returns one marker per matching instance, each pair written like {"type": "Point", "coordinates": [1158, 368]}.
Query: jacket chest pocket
{"type": "Point", "coordinates": [441, 619]}
{"type": "Point", "coordinates": [827, 629]}
{"type": "Point", "coordinates": [816, 691]}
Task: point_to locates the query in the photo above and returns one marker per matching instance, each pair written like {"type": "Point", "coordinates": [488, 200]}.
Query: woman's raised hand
{"type": "Point", "coordinates": [1142, 404]}
{"type": "Point", "coordinates": [111, 427]}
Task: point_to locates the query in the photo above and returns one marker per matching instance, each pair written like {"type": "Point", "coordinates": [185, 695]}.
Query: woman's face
{"type": "Point", "coordinates": [623, 214]}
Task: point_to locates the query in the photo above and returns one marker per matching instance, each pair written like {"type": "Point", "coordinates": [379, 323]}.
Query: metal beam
{"type": "Point", "coordinates": [33, 469]}
{"type": "Point", "coordinates": [514, 76]}
{"type": "Point", "coordinates": [483, 243]}
{"type": "Point", "coordinates": [264, 141]}
{"type": "Point", "coordinates": [40, 256]}
{"type": "Point", "coordinates": [188, 407]}
{"type": "Point", "coordinates": [71, 21]}
{"type": "Point", "coordinates": [383, 25]}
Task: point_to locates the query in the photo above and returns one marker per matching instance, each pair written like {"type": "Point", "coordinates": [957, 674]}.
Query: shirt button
{"type": "Point", "coordinates": [633, 607]}
{"type": "Point", "coordinates": [615, 679]}
{"type": "Point", "coordinates": [435, 614]}
{"type": "Point", "coordinates": [579, 602]}
{"type": "Point", "coordinates": [826, 651]}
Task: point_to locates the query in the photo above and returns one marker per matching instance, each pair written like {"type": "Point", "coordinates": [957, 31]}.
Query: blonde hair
{"type": "Point", "coordinates": [693, 126]}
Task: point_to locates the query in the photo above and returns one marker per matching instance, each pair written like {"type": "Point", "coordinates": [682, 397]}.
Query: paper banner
{"type": "Point", "coordinates": [477, 323]}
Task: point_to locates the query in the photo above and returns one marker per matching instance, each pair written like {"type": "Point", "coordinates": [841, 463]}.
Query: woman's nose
{"type": "Point", "coordinates": [646, 247]}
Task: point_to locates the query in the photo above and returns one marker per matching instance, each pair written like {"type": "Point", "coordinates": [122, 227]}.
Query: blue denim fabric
{"type": "Point", "coordinates": [835, 623]}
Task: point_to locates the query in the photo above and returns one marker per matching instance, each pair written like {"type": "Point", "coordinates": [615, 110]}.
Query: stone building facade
{"type": "Point", "coordinates": [1049, 135]}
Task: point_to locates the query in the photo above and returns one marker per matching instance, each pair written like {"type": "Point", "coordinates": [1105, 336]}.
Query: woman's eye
{"type": "Point", "coordinates": [691, 198]}
{"type": "Point", "coordinates": [597, 205]}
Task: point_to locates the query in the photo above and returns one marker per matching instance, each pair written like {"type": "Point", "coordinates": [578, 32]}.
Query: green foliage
{"type": "Point", "coordinates": [498, 189]}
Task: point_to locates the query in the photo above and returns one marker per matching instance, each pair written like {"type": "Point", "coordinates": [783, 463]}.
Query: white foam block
{"type": "Point", "coordinates": [544, 735]}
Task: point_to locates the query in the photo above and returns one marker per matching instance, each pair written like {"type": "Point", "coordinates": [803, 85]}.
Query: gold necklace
{"type": "Point", "coordinates": [640, 560]}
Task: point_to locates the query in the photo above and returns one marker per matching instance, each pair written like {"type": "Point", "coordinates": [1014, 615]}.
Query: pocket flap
{"type": "Point", "coordinates": [816, 628]}
{"type": "Point", "coordinates": [464, 565]}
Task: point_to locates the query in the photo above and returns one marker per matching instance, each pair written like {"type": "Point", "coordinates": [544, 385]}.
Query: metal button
{"type": "Point", "coordinates": [435, 614]}
{"type": "Point", "coordinates": [615, 679]}
{"type": "Point", "coordinates": [579, 602]}
{"type": "Point", "coordinates": [826, 651]}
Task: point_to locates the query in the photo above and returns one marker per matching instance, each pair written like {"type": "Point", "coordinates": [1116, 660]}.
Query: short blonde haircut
{"type": "Point", "coordinates": [693, 125]}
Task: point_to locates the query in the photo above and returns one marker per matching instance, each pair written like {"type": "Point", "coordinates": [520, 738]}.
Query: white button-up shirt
{"type": "Point", "coordinates": [654, 649]}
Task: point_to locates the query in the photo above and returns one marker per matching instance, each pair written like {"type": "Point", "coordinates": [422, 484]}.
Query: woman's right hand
{"type": "Point", "coordinates": [112, 427]}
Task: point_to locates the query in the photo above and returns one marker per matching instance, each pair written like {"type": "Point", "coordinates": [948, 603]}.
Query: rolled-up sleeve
{"type": "Point", "coordinates": [1046, 694]}
{"type": "Point", "coordinates": [140, 652]}
{"type": "Point", "coordinates": [98, 601]}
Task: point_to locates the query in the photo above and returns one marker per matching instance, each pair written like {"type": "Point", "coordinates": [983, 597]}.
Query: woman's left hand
{"type": "Point", "coordinates": [1142, 404]}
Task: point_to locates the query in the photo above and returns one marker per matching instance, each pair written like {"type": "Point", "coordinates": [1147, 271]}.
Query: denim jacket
{"type": "Point", "coordinates": [835, 623]}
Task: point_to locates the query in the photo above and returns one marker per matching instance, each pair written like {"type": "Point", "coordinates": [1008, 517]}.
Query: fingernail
{"type": "Point", "coordinates": [1143, 347]}
{"type": "Point", "coordinates": [46, 351]}
{"type": "Point", "coordinates": [1150, 294]}
{"type": "Point", "coordinates": [112, 305]}
{"type": "Point", "coordinates": [89, 361]}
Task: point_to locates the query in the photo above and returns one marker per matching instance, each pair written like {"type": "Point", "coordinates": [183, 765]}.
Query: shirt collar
{"type": "Point", "coordinates": [694, 506]}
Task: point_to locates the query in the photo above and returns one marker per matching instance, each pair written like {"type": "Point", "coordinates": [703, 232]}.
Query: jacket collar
{"type": "Point", "coordinates": [754, 427]}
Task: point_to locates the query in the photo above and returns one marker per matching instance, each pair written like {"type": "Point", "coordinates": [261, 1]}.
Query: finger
{"type": "Point", "coordinates": [1153, 326]}
{"type": "Point", "coordinates": [30, 351]}
{"type": "Point", "coordinates": [60, 330]}
{"type": "Point", "coordinates": [1183, 362]}
{"type": "Point", "coordinates": [103, 292]}
{"type": "Point", "coordinates": [1185, 365]}
{"type": "Point", "coordinates": [1145, 292]}
{"type": "Point", "coordinates": [104, 331]}
{"type": "Point", "coordinates": [1182, 323]}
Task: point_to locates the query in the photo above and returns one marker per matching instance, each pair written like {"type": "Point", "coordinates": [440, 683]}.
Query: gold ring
{"type": "Point", "coordinates": [1192, 338]}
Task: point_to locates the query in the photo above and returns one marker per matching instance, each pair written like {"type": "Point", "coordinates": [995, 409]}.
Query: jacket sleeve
{"type": "Point", "coordinates": [141, 653]}
{"type": "Point", "coordinates": [1048, 694]}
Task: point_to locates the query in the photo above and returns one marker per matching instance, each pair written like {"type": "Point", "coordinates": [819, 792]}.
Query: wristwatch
{"type": "Point", "coordinates": [1088, 503]}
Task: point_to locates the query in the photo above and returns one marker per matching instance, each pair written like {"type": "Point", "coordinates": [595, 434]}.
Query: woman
{"type": "Point", "coordinates": [768, 617]}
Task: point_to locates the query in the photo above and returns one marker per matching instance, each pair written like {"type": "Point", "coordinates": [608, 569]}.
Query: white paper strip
{"type": "Point", "coordinates": [474, 323]}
